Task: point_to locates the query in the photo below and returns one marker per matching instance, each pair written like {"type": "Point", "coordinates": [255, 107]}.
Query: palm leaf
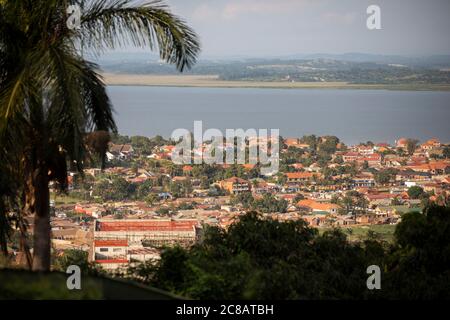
{"type": "Point", "coordinates": [108, 24]}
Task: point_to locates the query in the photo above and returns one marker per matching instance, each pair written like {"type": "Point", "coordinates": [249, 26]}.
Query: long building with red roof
{"type": "Point", "coordinates": [117, 242]}
{"type": "Point", "coordinates": [156, 231]}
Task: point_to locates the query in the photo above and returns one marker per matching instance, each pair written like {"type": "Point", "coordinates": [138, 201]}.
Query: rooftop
{"type": "Point", "coordinates": [146, 225]}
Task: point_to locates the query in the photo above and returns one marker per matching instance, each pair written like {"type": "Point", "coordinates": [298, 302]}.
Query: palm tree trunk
{"type": "Point", "coordinates": [4, 226]}
{"type": "Point", "coordinates": [37, 199]}
{"type": "Point", "coordinates": [24, 246]}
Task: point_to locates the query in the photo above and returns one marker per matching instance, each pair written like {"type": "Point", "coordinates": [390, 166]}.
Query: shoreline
{"type": "Point", "coordinates": [211, 81]}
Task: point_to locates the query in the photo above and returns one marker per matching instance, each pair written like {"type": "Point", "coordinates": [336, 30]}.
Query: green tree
{"type": "Point", "coordinates": [268, 203]}
{"type": "Point", "coordinates": [144, 189]}
{"type": "Point", "coordinates": [419, 265]}
{"type": "Point", "coordinates": [347, 203]}
{"type": "Point", "coordinates": [446, 152]}
{"type": "Point", "coordinates": [261, 258]}
{"type": "Point", "coordinates": [411, 145]}
{"type": "Point", "coordinates": [151, 199]}
{"type": "Point", "coordinates": [329, 144]}
{"type": "Point", "coordinates": [142, 145]}
{"type": "Point", "coordinates": [245, 199]}
{"type": "Point", "coordinates": [116, 189]}
{"type": "Point", "coordinates": [338, 160]}
{"type": "Point", "coordinates": [415, 192]}
{"type": "Point", "coordinates": [51, 96]}
{"type": "Point", "coordinates": [312, 140]}
{"type": "Point", "coordinates": [79, 258]}
{"type": "Point", "coordinates": [384, 176]}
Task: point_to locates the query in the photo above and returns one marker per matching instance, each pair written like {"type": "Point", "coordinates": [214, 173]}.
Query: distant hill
{"type": "Point", "coordinates": [357, 68]}
{"type": "Point", "coordinates": [432, 62]}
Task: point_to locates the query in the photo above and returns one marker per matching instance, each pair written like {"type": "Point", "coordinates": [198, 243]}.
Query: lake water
{"type": "Point", "coordinates": [352, 115]}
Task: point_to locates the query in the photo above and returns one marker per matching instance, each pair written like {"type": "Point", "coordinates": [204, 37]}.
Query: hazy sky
{"type": "Point", "coordinates": [284, 27]}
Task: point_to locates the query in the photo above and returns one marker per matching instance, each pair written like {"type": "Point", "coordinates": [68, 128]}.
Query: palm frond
{"type": "Point", "coordinates": [96, 100]}
{"type": "Point", "coordinates": [108, 24]}
{"type": "Point", "coordinates": [79, 102]}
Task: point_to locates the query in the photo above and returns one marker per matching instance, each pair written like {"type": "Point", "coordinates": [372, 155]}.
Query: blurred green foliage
{"type": "Point", "coordinates": [260, 258]}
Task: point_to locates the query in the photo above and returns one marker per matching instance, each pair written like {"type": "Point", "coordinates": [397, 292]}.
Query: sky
{"type": "Point", "coordinates": [261, 28]}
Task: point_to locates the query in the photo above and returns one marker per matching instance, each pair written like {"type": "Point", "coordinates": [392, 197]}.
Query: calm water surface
{"type": "Point", "coordinates": [352, 115]}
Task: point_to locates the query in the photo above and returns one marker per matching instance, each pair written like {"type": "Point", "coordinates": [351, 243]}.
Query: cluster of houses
{"type": "Point", "coordinates": [310, 194]}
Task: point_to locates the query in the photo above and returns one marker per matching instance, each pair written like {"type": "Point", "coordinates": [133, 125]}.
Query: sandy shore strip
{"type": "Point", "coordinates": [213, 81]}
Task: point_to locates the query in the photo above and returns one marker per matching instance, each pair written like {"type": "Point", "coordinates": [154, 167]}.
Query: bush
{"type": "Point", "coordinates": [260, 258]}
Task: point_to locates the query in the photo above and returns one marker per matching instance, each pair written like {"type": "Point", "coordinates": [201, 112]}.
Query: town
{"type": "Point", "coordinates": [128, 206]}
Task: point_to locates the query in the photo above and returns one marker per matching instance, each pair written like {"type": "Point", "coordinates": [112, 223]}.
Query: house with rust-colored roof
{"type": "Point", "coordinates": [315, 206]}
{"type": "Point", "coordinates": [299, 177]}
{"type": "Point", "coordinates": [235, 185]}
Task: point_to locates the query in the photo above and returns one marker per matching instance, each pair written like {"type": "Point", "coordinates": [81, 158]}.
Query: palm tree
{"type": "Point", "coordinates": [51, 97]}
{"type": "Point", "coordinates": [10, 214]}
{"type": "Point", "coordinates": [5, 206]}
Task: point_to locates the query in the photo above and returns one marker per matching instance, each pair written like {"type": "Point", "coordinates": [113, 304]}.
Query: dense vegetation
{"type": "Point", "coordinates": [266, 204]}
{"type": "Point", "coordinates": [266, 259]}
